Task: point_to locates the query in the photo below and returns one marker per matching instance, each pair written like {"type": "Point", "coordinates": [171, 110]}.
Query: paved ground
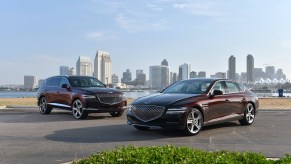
{"type": "Point", "coordinates": [28, 137]}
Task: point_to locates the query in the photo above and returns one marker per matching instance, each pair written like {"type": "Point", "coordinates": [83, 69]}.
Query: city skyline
{"type": "Point", "coordinates": [39, 36]}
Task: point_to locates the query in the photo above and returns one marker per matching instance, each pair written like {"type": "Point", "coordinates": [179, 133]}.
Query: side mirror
{"type": "Point", "coordinates": [216, 92]}
{"type": "Point", "coordinates": [65, 86]}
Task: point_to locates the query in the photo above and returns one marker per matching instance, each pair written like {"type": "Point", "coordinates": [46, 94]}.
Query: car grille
{"type": "Point", "coordinates": [108, 98]}
{"type": "Point", "coordinates": [147, 113]}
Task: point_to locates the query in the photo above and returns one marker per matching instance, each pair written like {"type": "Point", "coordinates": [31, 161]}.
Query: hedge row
{"type": "Point", "coordinates": [176, 155]}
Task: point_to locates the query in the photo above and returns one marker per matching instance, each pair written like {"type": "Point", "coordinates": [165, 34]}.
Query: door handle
{"type": "Point", "coordinates": [227, 100]}
{"type": "Point", "coordinates": [243, 99]}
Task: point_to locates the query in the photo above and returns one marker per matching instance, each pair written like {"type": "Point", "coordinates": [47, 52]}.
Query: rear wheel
{"type": "Point", "coordinates": [249, 115]}
{"type": "Point", "coordinates": [141, 127]}
{"type": "Point", "coordinates": [116, 114]}
{"type": "Point", "coordinates": [78, 110]}
{"type": "Point", "coordinates": [194, 122]}
{"type": "Point", "coordinates": [44, 108]}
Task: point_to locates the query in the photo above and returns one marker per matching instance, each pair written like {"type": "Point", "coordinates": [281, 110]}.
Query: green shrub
{"type": "Point", "coordinates": [176, 155]}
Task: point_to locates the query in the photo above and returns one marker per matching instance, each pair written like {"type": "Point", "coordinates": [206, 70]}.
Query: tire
{"type": "Point", "coordinates": [78, 110]}
{"type": "Point", "coordinates": [194, 122]}
{"type": "Point", "coordinates": [44, 108]}
{"type": "Point", "coordinates": [249, 115]}
{"type": "Point", "coordinates": [116, 114]}
{"type": "Point", "coordinates": [143, 128]}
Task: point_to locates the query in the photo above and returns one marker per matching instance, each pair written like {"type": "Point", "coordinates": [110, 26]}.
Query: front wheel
{"type": "Point", "coordinates": [78, 110]}
{"type": "Point", "coordinates": [249, 115]}
{"type": "Point", "coordinates": [44, 108]}
{"type": "Point", "coordinates": [194, 122]}
{"type": "Point", "coordinates": [116, 114]}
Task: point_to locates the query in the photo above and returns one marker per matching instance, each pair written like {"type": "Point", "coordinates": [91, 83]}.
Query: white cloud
{"type": "Point", "coordinates": [180, 5]}
{"type": "Point", "coordinates": [204, 8]}
{"type": "Point", "coordinates": [95, 35]}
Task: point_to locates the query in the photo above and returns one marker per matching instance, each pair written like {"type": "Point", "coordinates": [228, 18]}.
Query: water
{"type": "Point", "coordinates": [21, 94]}
{"type": "Point", "coordinates": [16, 94]}
{"type": "Point", "coordinates": [131, 94]}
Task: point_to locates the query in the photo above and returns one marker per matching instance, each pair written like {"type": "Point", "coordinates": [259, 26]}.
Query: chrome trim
{"type": "Point", "coordinates": [177, 109]}
{"type": "Point", "coordinates": [61, 105]}
{"type": "Point", "coordinates": [145, 125]}
{"type": "Point", "coordinates": [112, 96]}
{"type": "Point", "coordinates": [147, 113]}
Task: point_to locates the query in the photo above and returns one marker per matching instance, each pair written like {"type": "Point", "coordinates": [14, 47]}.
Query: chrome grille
{"type": "Point", "coordinates": [110, 98]}
{"type": "Point", "coordinates": [147, 113]}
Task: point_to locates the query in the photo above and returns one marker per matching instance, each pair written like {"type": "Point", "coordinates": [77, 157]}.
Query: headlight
{"type": "Point", "coordinates": [177, 109]}
{"type": "Point", "coordinates": [88, 96]}
{"type": "Point", "coordinates": [129, 108]}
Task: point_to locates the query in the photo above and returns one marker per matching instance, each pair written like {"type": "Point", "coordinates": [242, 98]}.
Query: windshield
{"type": "Point", "coordinates": [85, 82]}
{"type": "Point", "coordinates": [189, 87]}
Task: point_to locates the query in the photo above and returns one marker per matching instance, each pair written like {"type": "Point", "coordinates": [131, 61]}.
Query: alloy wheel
{"type": "Point", "coordinates": [250, 113]}
{"type": "Point", "coordinates": [77, 109]}
{"type": "Point", "coordinates": [194, 122]}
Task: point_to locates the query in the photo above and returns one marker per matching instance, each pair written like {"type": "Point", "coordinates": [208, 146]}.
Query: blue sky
{"type": "Point", "coordinates": [37, 36]}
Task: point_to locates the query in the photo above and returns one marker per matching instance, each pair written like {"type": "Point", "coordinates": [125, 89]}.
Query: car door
{"type": "Point", "coordinates": [236, 98]}
{"type": "Point", "coordinates": [218, 104]}
{"type": "Point", "coordinates": [64, 94]}
{"type": "Point", "coordinates": [52, 90]}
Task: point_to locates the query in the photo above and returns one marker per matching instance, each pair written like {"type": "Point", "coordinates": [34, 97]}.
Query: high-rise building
{"type": "Point", "coordinates": [103, 67]}
{"type": "Point", "coordinates": [155, 77]}
{"type": "Point", "coordinates": [193, 74]}
{"type": "Point", "coordinates": [140, 77]}
{"type": "Point", "coordinates": [270, 72]}
{"type": "Point", "coordinates": [220, 75]}
{"type": "Point", "coordinates": [184, 71]}
{"type": "Point", "coordinates": [279, 74]}
{"type": "Point", "coordinates": [29, 82]}
{"type": "Point", "coordinates": [243, 76]}
{"type": "Point", "coordinates": [72, 71]}
{"type": "Point", "coordinates": [64, 70]}
{"type": "Point", "coordinates": [165, 62]}
{"type": "Point", "coordinates": [250, 68]}
{"type": "Point", "coordinates": [114, 79]}
{"type": "Point", "coordinates": [201, 74]}
{"type": "Point", "coordinates": [84, 66]}
{"type": "Point", "coordinates": [173, 77]}
{"type": "Point", "coordinates": [259, 74]}
{"type": "Point", "coordinates": [231, 68]}
{"type": "Point", "coordinates": [126, 77]}
{"type": "Point", "coordinates": [164, 76]}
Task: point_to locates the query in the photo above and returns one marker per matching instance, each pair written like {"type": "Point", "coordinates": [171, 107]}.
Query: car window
{"type": "Point", "coordinates": [85, 82]}
{"type": "Point", "coordinates": [219, 86]}
{"type": "Point", "coordinates": [232, 87]}
{"type": "Point", "coordinates": [189, 87]}
{"type": "Point", "coordinates": [64, 81]}
{"type": "Point", "coordinates": [241, 87]}
{"type": "Point", "coordinates": [55, 82]}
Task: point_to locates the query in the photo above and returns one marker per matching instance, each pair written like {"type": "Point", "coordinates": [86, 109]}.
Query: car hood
{"type": "Point", "coordinates": [163, 99]}
{"type": "Point", "coordinates": [95, 90]}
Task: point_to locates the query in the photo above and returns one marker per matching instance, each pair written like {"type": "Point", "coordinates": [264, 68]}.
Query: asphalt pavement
{"type": "Point", "coordinates": [26, 136]}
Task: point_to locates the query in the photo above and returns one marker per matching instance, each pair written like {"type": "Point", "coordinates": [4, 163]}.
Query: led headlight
{"type": "Point", "coordinates": [88, 96]}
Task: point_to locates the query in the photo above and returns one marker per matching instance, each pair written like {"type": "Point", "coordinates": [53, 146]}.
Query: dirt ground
{"type": "Point", "coordinates": [265, 103]}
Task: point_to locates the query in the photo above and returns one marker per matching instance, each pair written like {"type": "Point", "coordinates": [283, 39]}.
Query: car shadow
{"type": "Point", "coordinates": [55, 116]}
{"type": "Point", "coordinates": [124, 133]}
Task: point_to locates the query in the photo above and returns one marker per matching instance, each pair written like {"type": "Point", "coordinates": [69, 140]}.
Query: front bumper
{"type": "Point", "coordinates": [170, 119]}
{"type": "Point", "coordinates": [95, 106]}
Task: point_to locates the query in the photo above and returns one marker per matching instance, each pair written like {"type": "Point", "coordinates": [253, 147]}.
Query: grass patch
{"type": "Point", "coordinates": [176, 155]}
{"type": "Point", "coordinates": [18, 102]}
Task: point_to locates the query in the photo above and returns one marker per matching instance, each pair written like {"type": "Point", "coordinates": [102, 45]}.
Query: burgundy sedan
{"type": "Point", "coordinates": [191, 104]}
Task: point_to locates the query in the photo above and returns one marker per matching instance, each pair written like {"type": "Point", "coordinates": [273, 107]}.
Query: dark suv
{"type": "Point", "coordinates": [81, 94]}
